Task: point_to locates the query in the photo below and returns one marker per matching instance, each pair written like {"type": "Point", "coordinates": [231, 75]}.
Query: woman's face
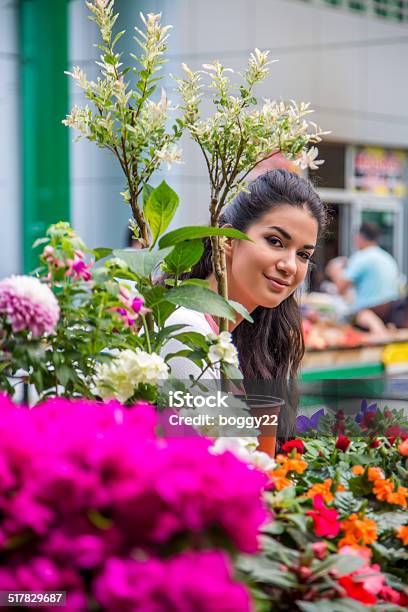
{"type": "Point", "coordinates": [268, 270]}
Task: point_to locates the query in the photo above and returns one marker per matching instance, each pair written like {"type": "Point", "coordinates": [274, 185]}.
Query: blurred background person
{"type": "Point", "coordinates": [373, 274]}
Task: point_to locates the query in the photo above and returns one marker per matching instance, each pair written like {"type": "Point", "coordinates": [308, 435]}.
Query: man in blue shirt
{"type": "Point", "coordinates": [373, 273]}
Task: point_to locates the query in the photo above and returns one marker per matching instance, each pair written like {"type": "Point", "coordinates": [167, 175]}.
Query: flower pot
{"type": "Point", "coordinates": [267, 408]}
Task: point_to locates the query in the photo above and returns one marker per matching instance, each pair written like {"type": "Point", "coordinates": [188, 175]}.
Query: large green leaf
{"type": "Point", "coordinates": [184, 256]}
{"type": "Point", "coordinates": [142, 261]}
{"type": "Point", "coordinates": [101, 252]}
{"type": "Point", "coordinates": [159, 209]}
{"type": "Point", "coordinates": [241, 310]}
{"type": "Point", "coordinates": [202, 300]}
{"type": "Point", "coordinates": [191, 232]}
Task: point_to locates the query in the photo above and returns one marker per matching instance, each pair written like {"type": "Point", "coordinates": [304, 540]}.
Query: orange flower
{"type": "Point", "coordinates": [399, 497]}
{"type": "Point", "coordinates": [322, 488]}
{"type": "Point", "coordinates": [292, 464]}
{"type": "Point", "coordinates": [358, 531]}
{"type": "Point", "coordinates": [278, 477]}
{"type": "Point", "coordinates": [375, 473]}
{"type": "Point", "coordinates": [341, 488]}
{"type": "Point", "coordinates": [357, 470]}
{"type": "Point", "coordinates": [402, 534]}
{"type": "Point", "coordinates": [403, 448]}
{"type": "Point", "coordinates": [383, 489]}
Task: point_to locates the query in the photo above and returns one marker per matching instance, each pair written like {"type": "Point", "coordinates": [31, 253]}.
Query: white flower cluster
{"type": "Point", "coordinates": [244, 449]}
{"type": "Point", "coordinates": [120, 377]}
{"type": "Point", "coordinates": [222, 349]}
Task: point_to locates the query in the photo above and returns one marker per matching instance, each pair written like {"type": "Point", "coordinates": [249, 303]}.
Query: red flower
{"type": "Point", "coordinates": [389, 594]}
{"type": "Point", "coordinates": [297, 444]}
{"type": "Point", "coordinates": [356, 590]}
{"type": "Point", "coordinates": [326, 520]}
{"type": "Point", "coordinates": [375, 443]}
{"type": "Point", "coordinates": [342, 443]}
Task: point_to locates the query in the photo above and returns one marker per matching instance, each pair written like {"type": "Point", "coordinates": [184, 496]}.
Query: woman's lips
{"type": "Point", "coordinates": [276, 285]}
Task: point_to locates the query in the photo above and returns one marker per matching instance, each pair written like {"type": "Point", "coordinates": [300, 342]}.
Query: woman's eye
{"type": "Point", "coordinates": [274, 241]}
{"type": "Point", "coordinates": [305, 256]}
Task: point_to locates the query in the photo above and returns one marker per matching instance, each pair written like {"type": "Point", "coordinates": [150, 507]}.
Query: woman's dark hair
{"type": "Point", "coordinates": [272, 347]}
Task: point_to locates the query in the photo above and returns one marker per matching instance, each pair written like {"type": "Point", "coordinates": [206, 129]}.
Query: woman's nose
{"type": "Point", "coordinates": [287, 265]}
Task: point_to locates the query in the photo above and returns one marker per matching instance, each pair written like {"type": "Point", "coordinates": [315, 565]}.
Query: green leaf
{"type": "Point", "coordinates": [198, 282]}
{"type": "Point", "coordinates": [267, 571]}
{"type": "Point", "coordinates": [202, 300]}
{"type": "Point", "coordinates": [241, 310]}
{"type": "Point", "coordinates": [159, 209]}
{"type": "Point", "coordinates": [274, 528]}
{"type": "Point", "coordinates": [147, 190]}
{"type": "Point", "coordinates": [39, 242]}
{"type": "Point", "coordinates": [184, 256]}
{"type": "Point", "coordinates": [101, 252]}
{"type": "Point", "coordinates": [344, 604]}
{"type": "Point", "coordinates": [64, 374]}
{"type": "Point", "coordinates": [192, 340]}
{"type": "Point", "coordinates": [232, 372]}
{"type": "Point", "coordinates": [191, 232]}
{"type": "Point", "coordinates": [162, 311]}
{"type": "Point", "coordinates": [142, 261]}
{"type": "Point", "coordinates": [344, 564]}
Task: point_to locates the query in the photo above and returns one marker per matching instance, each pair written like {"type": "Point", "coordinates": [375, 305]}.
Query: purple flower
{"type": "Point", "coordinates": [28, 305]}
{"type": "Point", "coordinates": [365, 410]}
{"type": "Point", "coordinates": [303, 423]}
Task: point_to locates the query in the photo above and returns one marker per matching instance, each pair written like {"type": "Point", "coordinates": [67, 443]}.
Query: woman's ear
{"type": "Point", "coordinates": [228, 242]}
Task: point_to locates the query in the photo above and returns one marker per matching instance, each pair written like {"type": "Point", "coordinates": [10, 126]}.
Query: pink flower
{"type": "Point", "coordinates": [90, 483]}
{"type": "Point", "coordinates": [189, 581]}
{"type": "Point", "coordinates": [29, 305]}
{"type": "Point", "coordinates": [78, 269]}
{"type": "Point", "coordinates": [320, 549]}
{"type": "Point", "coordinates": [137, 304]}
{"type": "Point", "coordinates": [326, 520]}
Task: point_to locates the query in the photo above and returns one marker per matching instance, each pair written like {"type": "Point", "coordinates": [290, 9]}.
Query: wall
{"type": "Point", "coordinates": [10, 184]}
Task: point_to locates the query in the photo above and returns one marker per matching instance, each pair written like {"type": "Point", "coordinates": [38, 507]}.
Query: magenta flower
{"type": "Point", "coordinates": [78, 269]}
{"type": "Point", "coordinates": [28, 305]}
{"type": "Point", "coordinates": [190, 581]}
{"type": "Point", "coordinates": [88, 488]}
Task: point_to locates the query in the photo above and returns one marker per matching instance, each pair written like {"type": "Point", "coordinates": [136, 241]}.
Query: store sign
{"type": "Point", "coordinates": [379, 171]}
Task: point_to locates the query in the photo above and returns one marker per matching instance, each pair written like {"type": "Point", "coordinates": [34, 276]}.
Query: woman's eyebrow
{"type": "Point", "coordinates": [289, 237]}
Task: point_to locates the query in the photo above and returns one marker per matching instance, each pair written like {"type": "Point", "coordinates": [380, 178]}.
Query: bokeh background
{"type": "Point", "coordinates": [347, 57]}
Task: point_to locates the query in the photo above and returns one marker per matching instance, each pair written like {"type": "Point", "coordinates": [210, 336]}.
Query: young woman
{"type": "Point", "coordinates": [283, 216]}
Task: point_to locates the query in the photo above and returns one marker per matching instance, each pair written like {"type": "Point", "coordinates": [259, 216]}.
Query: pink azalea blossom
{"type": "Point", "coordinates": [91, 483]}
{"type": "Point", "coordinates": [190, 581]}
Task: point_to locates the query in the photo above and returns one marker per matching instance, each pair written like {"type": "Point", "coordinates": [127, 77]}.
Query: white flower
{"type": "Point", "coordinates": [120, 377]}
{"type": "Point", "coordinates": [244, 449]}
{"type": "Point", "coordinates": [223, 349]}
{"type": "Point", "coordinates": [308, 159]}
{"type": "Point", "coordinates": [171, 154]}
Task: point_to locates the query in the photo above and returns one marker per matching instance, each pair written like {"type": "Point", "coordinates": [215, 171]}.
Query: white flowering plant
{"type": "Point", "coordinates": [239, 134]}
